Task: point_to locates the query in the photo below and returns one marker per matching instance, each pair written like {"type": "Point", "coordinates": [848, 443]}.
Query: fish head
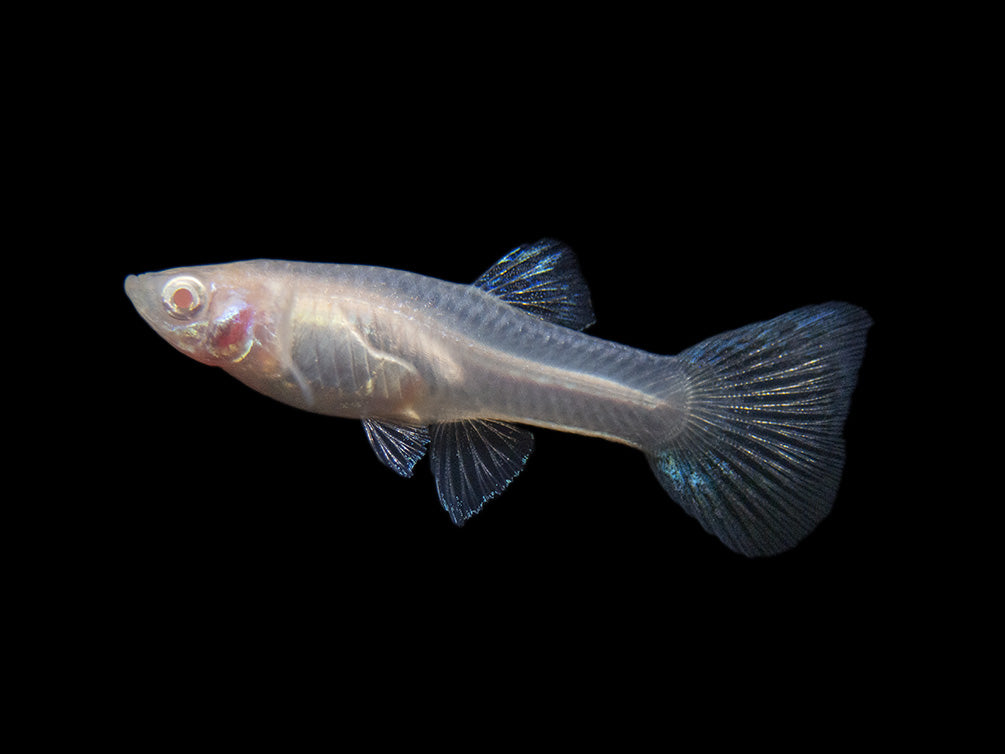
{"type": "Point", "coordinates": [207, 313]}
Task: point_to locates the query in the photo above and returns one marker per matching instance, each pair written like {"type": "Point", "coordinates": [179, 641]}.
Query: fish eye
{"type": "Point", "coordinates": [183, 297]}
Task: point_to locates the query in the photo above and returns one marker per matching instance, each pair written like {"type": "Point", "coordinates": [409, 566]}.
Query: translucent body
{"type": "Point", "coordinates": [743, 430]}
{"type": "Point", "coordinates": [363, 342]}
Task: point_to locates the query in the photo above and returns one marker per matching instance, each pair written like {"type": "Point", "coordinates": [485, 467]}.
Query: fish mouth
{"type": "Point", "coordinates": [134, 291]}
{"type": "Point", "coordinates": [138, 292]}
{"type": "Point", "coordinates": [132, 287]}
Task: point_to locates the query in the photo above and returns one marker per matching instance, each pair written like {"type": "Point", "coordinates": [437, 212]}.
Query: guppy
{"type": "Point", "coordinates": [743, 430]}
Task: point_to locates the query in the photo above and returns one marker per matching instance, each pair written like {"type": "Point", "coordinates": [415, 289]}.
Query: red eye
{"type": "Point", "coordinates": [183, 297]}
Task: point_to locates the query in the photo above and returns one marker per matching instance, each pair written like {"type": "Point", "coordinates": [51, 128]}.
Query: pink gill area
{"type": "Point", "coordinates": [232, 331]}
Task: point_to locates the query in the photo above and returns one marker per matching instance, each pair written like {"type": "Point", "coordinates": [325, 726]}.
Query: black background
{"type": "Point", "coordinates": [681, 234]}
{"type": "Point", "coordinates": [698, 198]}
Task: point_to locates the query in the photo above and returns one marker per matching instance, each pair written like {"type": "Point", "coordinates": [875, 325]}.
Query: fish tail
{"type": "Point", "coordinates": [760, 452]}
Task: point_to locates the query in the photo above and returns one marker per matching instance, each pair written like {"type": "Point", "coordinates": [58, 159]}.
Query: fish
{"type": "Point", "coordinates": [743, 430]}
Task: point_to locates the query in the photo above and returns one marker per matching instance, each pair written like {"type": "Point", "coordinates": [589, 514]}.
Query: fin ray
{"type": "Point", "coordinates": [398, 446]}
{"type": "Point", "coordinates": [544, 280]}
{"type": "Point", "coordinates": [474, 460]}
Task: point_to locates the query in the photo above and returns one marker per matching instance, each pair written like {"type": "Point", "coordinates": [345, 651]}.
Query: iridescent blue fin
{"type": "Point", "coordinates": [474, 460]}
{"type": "Point", "coordinates": [759, 458]}
{"type": "Point", "coordinates": [398, 446]}
{"type": "Point", "coordinates": [544, 280]}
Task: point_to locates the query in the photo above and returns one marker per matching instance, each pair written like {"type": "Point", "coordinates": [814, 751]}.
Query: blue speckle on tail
{"type": "Point", "coordinates": [682, 478]}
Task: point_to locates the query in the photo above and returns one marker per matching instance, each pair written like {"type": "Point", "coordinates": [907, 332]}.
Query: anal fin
{"type": "Point", "coordinates": [474, 460]}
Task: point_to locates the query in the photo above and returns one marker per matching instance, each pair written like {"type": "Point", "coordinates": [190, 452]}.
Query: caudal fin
{"type": "Point", "coordinates": [760, 456]}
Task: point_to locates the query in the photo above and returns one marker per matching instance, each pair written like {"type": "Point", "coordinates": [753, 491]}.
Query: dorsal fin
{"type": "Point", "coordinates": [544, 280]}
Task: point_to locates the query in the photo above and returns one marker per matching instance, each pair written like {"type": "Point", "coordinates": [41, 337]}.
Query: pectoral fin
{"type": "Point", "coordinates": [398, 446]}
{"type": "Point", "coordinates": [474, 460]}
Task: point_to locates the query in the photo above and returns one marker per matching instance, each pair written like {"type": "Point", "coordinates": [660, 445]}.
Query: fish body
{"type": "Point", "coordinates": [744, 430]}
